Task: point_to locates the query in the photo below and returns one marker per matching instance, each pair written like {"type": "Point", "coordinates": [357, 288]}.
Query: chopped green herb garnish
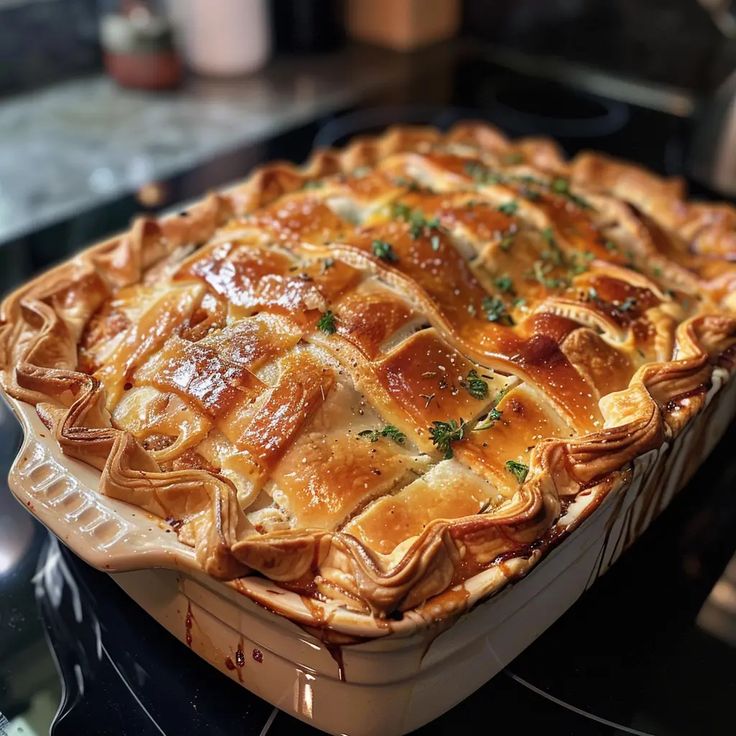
{"type": "Point", "coordinates": [509, 208]}
{"type": "Point", "coordinates": [326, 323]}
{"type": "Point", "coordinates": [511, 159]}
{"type": "Point", "coordinates": [530, 194]}
{"type": "Point", "coordinates": [627, 304]}
{"type": "Point", "coordinates": [609, 245]}
{"type": "Point", "coordinates": [327, 264]}
{"type": "Point", "coordinates": [416, 219]}
{"type": "Point", "coordinates": [410, 184]}
{"type": "Point", "coordinates": [361, 171]}
{"type": "Point", "coordinates": [312, 184]}
{"type": "Point", "coordinates": [475, 385]}
{"type": "Point", "coordinates": [496, 311]}
{"type": "Point", "coordinates": [401, 211]}
{"type": "Point", "coordinates": [540, 272]}
{"type": "Point", "coordinates": [483, 175]}
{"type": "Point", "coordinates": [443, 434]}
{"type": "Point", "coordinates": [419, 223]}
{"type": "Point", "coordinates": [562, 187]}
{"type": "Point", "coordinates": [527, 179]}
{"type": "Point", "coordinates": [393, 433]}
{"type": "Point", "coordinates": [383, 250]}
{"type": "Point", "coordinates": [504, 284]}
{"type": "Point", "coordinates": [657, 272]}
{"type": "Point", "coordinates": [518, 470]}
{"type": "Point", "coordinates": [494, 415]}
{"type": "Point", "coordinates": [488, 420]}
{"type": "Point", "coordinates": [549, 235]}
{"type": "Point", "coordinates": [593, 295]}
{"type": "Point", "coordinates": [574, 264]}
{"type": "Point", "coordinates": [435, 241]}
{"type": "Point", "coordinates": [506, 242]}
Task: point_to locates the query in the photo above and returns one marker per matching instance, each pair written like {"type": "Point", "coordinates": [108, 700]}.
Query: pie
{"type": "Point", "coordinates": [373, 377]}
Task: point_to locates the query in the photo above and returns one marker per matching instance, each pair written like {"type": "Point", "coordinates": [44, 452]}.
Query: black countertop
{"type": "Point", "coordinates": [651, 648]}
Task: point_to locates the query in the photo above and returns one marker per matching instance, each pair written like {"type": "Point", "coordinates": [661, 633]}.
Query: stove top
{"type": "Point", "coordinates": [650, 649]}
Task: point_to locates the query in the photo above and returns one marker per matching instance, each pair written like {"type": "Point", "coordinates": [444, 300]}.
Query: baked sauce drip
{"type": "Point", "coordinates": [335, 651]}
{"type": "Point", "coordinates": [188, 621]}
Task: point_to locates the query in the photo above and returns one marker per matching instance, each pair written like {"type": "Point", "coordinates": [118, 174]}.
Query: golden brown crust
{"type": "Point", "coordinates": [606, 363]}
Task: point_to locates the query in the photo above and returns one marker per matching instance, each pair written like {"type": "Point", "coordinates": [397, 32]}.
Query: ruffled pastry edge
{"type": "Point", "coordinates": [43, 321]}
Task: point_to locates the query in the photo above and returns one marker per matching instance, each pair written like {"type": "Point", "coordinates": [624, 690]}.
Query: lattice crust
{"type": "Point", "coordinates": [377, 375]}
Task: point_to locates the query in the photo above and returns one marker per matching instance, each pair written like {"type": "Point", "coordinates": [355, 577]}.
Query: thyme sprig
{"type": "Point", "coordinates": [389, 431]}
{"type": "Point", "coordinates": [445, 434]}
{"type": "Point", "coordinates": [494, 415]}
{"type": "Point", "coordinates": [326, 323]}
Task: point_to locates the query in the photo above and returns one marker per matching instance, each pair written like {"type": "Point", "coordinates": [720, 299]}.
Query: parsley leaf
{"type": "Point", "coordinates": [509, 208]}
{"type": "Point", "coordinates": [383, 250]}
{"type": "Point", "coordinates": [628, 304]}
{"type": "Point", "coordinates": [475, 385]}
{"type": "Point", "coordinates": [326, 323]}
{"type": "Point", "coordinates": [496, 311]}
{"type": "Point", "coordinates": [400, 211]}
{"type": "Point", "coordinates": [518, 470]}
{"type": "Point", "coordinates": [443, 434]}
{"type": "Point", "coordinates": [417, 221]}
{"type": "Point", "coordinates": [483, 175]}
{"type": "Point", "coordinates": [562, 187]}
{"type": "Point", "coordinates": [504, 284]}
{"type": "Point", "coordinates": [549, 235]}
{"type": "Point", "coordinates": [506, 242]}
{"type": "Point", "coordinates": [313, 184]}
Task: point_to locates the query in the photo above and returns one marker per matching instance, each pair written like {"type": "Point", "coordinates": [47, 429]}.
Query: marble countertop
{"type": "Point", "coordinates": [69, 147]}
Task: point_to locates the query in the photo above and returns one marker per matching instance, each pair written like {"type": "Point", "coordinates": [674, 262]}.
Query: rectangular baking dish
{"type": "Point", "coordinates": [388, 683]}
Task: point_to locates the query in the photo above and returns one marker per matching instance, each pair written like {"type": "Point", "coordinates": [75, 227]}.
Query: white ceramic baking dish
{"type": "Point", "coordinates": [402, 674]}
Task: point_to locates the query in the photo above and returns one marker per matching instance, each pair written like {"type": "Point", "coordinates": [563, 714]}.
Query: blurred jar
{"type": "Point", "coordinates": [138, 45]}
{"type": "Point", "coordinates": [403, 25]}
{"type": "Point", "coordinates": [224, 38]}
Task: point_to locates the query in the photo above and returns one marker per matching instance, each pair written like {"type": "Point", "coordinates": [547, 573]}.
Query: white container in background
{"type": "Point", "coordinates": [224, 37]}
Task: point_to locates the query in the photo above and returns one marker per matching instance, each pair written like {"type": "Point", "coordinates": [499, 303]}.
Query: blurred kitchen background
{"type": "Point", "coordinates": [104, 98]}
{"type": "Point", "coordinates": [113, 107]}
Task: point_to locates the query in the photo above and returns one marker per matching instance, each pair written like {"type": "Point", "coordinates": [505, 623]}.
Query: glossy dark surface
{"type": "Point", "coordinates": [651, 648]}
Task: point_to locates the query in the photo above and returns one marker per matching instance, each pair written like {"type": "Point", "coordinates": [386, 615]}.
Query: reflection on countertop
{"type": "Point", "coordinates": [78, 144]}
